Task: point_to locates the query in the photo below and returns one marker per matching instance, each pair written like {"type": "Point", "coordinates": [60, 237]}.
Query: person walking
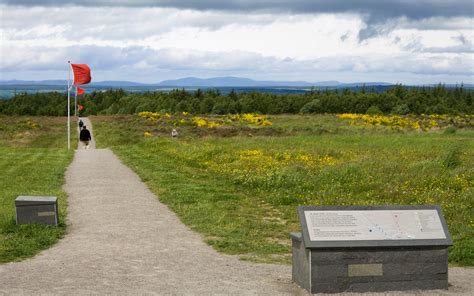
{"type": "Point", "coordinates": [81, 124]}
{"type": "Point", "coordinates": [85, 137]}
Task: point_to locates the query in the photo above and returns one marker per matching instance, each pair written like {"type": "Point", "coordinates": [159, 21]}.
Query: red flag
{"type": "Point", "coordinates": [80, 107]}
{"type": "Point", "coordinates": [82, 73]}
{"type": "Point", "coordinates": [80, 91]}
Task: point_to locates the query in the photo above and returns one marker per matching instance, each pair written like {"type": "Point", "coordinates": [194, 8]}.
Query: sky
{"type": "Point", "coordinates": [397, 41]}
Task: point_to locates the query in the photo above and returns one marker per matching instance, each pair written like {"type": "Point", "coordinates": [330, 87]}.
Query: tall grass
{"type": "Point", "coordinates": [242, 192]}
{"type": "Point", "coordinates": [33, 158]}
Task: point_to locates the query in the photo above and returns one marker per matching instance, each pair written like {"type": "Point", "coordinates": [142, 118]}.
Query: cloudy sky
{"type": "Point", "coordinates": [405, 41]}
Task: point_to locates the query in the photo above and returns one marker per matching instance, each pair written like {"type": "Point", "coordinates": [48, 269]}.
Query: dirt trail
{"type": "Point", "coordinates": [122, 240]}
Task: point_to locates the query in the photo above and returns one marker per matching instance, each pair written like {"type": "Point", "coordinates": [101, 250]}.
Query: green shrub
{"type": "Point", "coordinates": [312, 107]}
{"type": "Point", "coordinates": [402, 109]}
{"type": "Point", "coordinates": [450, 130]}
{"type": "Point", "coordinates": [374, 110]}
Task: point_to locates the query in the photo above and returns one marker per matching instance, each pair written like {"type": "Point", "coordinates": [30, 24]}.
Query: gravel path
{"type": "Point", "coordinates": [122, 241]}
{"type": "Point", "coordinates": [88, 125]}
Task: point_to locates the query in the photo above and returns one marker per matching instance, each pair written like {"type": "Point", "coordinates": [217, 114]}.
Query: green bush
{"type": "Point", "coordinates": [312, 107]}
{"type": "Point", "coordinates": [374, 110]}
{"type": "Point", "coordinates": [450, 130]}
{"type": "Point", "coordinates": [402, 109]}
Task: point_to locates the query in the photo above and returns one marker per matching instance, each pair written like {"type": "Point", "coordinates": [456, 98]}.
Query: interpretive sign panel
{"type": "Point", "coordinates": [373, 226]}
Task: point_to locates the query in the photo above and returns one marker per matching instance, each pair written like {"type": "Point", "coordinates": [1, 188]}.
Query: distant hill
{"type": "Point", "coordinates": [216, 81]}
{"type": "Point", "coordinates": [360, 84]}
{"type": "Point", "coordinates": [228, 81]}
{"type": "Point", "coordinates": [33, 82]}
{"type": "Point", "coordinates": [64, 82]}
{"type": "Point", "coordinates": [118, 83]}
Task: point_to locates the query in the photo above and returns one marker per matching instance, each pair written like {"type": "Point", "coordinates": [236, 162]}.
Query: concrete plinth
{"type": "Point", "coordinates": [370, 249]}
{"type": "Point", "coordinates": [37, 209]}
{"type": "Point", "coordinates": [369, 269]}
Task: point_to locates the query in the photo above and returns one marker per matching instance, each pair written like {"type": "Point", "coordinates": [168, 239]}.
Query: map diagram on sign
{"type": "Point", "coordinates": [374, 225]}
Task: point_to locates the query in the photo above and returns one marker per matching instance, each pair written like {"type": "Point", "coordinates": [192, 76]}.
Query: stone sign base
{"type": "Point", "coordinates": [369, 269]}
{"type": "Point", "coordinates": [37, 209]}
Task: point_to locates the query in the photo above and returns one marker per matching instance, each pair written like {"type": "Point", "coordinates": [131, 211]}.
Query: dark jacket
{"type": "Point", "coordinates": [81, 123]}
{"type": "Point", "coordinates": [85, 135]}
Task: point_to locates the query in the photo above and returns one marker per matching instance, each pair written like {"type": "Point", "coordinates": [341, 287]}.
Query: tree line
{"type": "Point", "coordinates": [398, 100]}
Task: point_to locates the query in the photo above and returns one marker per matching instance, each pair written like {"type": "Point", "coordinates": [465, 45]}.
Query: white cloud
{"type": "Point", "coordinates": [151, 44]}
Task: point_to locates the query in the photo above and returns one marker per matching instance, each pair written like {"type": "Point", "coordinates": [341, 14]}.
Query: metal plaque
{"type": "Point", "coordinates": [365, 226]}
{"type": "Point", "coordinates": [365, 270]}
{"type": "Point", "coordinates": [374, 225]}
{"type": "Point", "coordinates": [46, 214]}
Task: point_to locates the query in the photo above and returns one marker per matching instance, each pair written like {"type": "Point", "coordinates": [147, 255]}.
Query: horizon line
{"type": "Point", "coordinates": [251, 80]}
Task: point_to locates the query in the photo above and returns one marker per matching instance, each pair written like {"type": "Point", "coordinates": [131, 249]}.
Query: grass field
{"type": "Point", "coordinates": [238, 182]}
{"type": "Point", "coordinates": [33, 159]}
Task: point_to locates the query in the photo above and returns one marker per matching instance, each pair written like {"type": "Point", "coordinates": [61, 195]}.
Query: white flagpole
{"type": "Point", "coordinates": [75, 103]}
{"type": "Point", "coordinates": [69, 106]}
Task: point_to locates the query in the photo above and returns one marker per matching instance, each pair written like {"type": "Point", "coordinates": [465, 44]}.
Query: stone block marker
{"type": "Point", "coordinates": [37, 209]}
{"type": "Point", "coordinates": [370, 249]}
